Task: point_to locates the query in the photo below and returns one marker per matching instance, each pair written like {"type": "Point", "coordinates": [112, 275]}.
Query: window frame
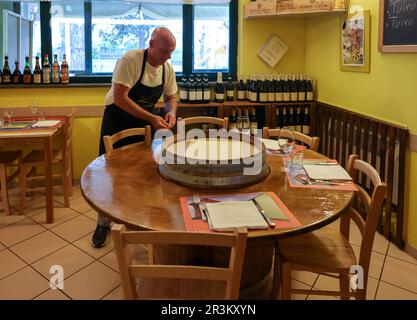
{"type": "Point", "coordinates": [187, 55]}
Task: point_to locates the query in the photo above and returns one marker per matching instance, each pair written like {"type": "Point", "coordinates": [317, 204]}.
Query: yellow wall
{"type": "Point", "coordinates": [387, 92]}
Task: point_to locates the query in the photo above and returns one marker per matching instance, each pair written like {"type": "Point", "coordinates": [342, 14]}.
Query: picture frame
{"type": "Point", "coordinates": [355, 42]}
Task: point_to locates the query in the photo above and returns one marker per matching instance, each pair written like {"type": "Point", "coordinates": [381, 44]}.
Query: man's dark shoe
{"type": "Point", "coordinates": [99, 236]}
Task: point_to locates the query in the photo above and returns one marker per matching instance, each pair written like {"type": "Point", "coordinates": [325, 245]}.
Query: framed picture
{"type": "Point", "coordinates": [355, 43]}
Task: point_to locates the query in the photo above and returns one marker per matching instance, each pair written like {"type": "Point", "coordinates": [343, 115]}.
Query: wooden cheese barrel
{"type": "Point", "coordinates": [213, 163]}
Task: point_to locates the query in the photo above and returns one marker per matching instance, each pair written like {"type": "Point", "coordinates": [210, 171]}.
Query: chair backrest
{"type": "Point", "coordinates": [372, 204]}
{"type": "Point", "coordinates": [223, 123]}
{"type": "Point", "coordinates": [311, 142]}
{"type": "Point", "coordinates": [109, 141]}
{"type": "Point", "coordinates": [69, 124]}
{"type": "Point", "coordinates": [129, 271]}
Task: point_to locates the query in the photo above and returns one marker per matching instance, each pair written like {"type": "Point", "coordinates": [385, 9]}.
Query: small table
{"type": "Point", "coordinates": [19, 137]}
{"type": "Point", "coordinates": [125, 186]}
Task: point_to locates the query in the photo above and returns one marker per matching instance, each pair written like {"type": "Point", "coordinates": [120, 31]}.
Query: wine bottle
{"type": "Point", "coordinates": [252, 89]}
{"type": "Point", "coordinates": [286, 89]}
{"type": "Point", "coordinates": [271, 89]}
{"type": "Point", "coordinates": [284, 117]}
{"type": "Point", "coordinates": [17, 75]}
{"type": "Point", "coordinates": [37, 72]}
{"type": "Point", "coordinates": [278, 120]}
{"type": "Point", "coordinates": [55, 70]}
{"type": "Point", "coordinates": [229, 89]}
{"type": "Point", "coordinates": [1, 76]}
{"type": "Point", "coordinates": [46, 70]}
{"type": "Point", "coordinates": [64, 70]}
{"type": "Point", "coordinates": [198, 90]}
{"type": "Point", "coordinates": [205, 126]}
{"type": "Point", "coordinates": [291, 119]}
{"type": "Point", "coordinates": [253, 122]}
{"type": "Point", "coordinates": [206, 90]}
{"type": "Point", "coordinates": [278, 90]}
{"type": "Point", "coordinates": [7, 74]}
{"type": "Point", "coordinates": [302, 89]}
{"type": "Point", "coordinates": [306, 121]}
{"type": "Point", "coordinates": [248, 86]}
{"type": "Point", "coordinates": [309, 89]}
{"type": "Point", "coordinates": [219, 89]}
{"type": "Point", "coordinates": [294, 88]}
{"type": "Point", "coordinates": [263, 91]}
{"type": "Point", "coordinates": [27, 73]}
{"type": "Point", "coordinates": [191, 90]}
{"type": "Point", "coordinates": [232, 119]}
{"type": "Point", "coordinates": [183, 90]}
{"type": "Point", "coordinates": [241, 90]}
{"type": "Point", "coordinates": [298, 121]}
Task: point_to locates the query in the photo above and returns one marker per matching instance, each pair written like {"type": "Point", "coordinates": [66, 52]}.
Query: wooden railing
{"type": "Point", "coordinates": [381, 144]}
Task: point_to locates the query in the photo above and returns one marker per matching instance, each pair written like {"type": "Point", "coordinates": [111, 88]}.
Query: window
{"type": "Point", "coordinates": [94, 34]}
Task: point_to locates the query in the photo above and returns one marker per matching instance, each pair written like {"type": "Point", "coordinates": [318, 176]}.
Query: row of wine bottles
{"type": "Point", "coordinates": [47, 74]}
{"type": "Point", "coordinates": [256, 88]}
{"type": "Point", "coordinates": [295, 117]}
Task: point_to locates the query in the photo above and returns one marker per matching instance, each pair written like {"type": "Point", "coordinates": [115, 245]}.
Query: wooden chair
{"type": "Point", "coordinates": [327, 251]}
{"type": "Point", "coordinates": [161, 281]}
{"type": "Point", "coordinates": [109, 141]}
{"type": "Point", "coordinates": [311, 142]}
{"type": "Point", "coordinates": [8, 159]}
{"type": "Point", "coordinates": [222, 123]}
{"type": "Point", "coordinates": [61, 157]}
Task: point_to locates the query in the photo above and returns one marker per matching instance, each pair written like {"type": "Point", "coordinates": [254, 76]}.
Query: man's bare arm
{"type": "Point", "coordinates": [171, 109]}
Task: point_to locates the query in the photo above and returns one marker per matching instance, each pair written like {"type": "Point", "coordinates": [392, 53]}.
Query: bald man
{"type": "Point", "coordinates": [139, 80]}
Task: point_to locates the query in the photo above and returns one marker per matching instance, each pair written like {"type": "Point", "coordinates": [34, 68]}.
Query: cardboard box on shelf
{"type": "Point", "coordinates": [307, 5]}
{"type": "Point", "coordinates": [284, 5]}
{"type": "Point", "coordinates": [340, 4]}
{"type": "Point", "coordinates": [260, 7]}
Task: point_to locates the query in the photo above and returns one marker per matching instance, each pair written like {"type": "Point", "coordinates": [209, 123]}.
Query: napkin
{"type": "Point", "coordinates": [270, 207]}
{"type": "Point", "coordinates": [326, 172]}
{"type": "Point", "coordinates": [228, 215]}
{"type": "Point", "coordinates": [272, 144]}
{"type": "Point", "coordinates": [45, 123]}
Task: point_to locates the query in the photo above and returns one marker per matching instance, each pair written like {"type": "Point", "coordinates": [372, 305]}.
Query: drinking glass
{"type": "Point", "coordinates": [35, 110]}
{"type": "Point", "coordinates": [297, 158]}
{"type": "Point", "coordinates": [286, 141]}
{"type": "Point", "coordinates": [243, 124]}
{"type": "Point", "coordinates": [9, 114]}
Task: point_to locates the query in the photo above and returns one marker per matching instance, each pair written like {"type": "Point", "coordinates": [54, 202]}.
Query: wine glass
{"type": "Point", "coordinates": [242, 124]}
{"type": "Point", "coordinates": [286, 141]}
{"type": "Point", "coordinates": [9, 114]}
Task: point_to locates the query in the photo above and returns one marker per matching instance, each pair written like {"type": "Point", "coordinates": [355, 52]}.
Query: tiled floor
{"type": "Point", "coordinates": [29, 248]}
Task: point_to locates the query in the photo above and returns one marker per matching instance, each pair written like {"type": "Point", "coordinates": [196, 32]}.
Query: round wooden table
{"type": "Point", "coordinates": [125, 186]}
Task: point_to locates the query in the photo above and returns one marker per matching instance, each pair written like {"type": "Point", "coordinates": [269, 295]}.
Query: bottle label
{"type": "Point", "coordinates": [263, 97]}
{"type": "Point", "coordinates": [286, 96]}
{"type": "Point", "coordinates": [64, 76]}
{"type": "Point", "coordinates": [27, 78]}
{"type": "Point", "coordinates": [46, 75]}
{"type": "Point", "coordinates": [241, 95]}
{"type": "Point", "coordinates": [229, 93]}
{"type": "Point", "coordinates": [298, 128]}
{"type": "Point", "coordinates": [191, 95]}
{"type": "Point", "coordinates": [306, 129]}
{"type": "Point", "coordinates": [253, 127]}
{"type": "Point", "coordinates": [247, 96]}
{"type": "Point", "coordinates": [199, 95]}
{"type": "Point", "coordinates": [278, 96]}
{"type": "Point", "coordinates": [294, 96]}
{"type": "Point", "coordinates": [219, 96]}
{"type": "Point", "coordinates": [183, 94]}
{"type": "Point", "coordinates": [7, 79]}
{"type": "Point", "coordinates": [309, 96]}
{"type": "Point", "coordinates": [37, 78]}
{"type": "Point", "coordinates": [301, 96]}
{"type": "Point", "coordinates": [271, 97]}
{"type": "Point", "coordinates": [206, 95]}
{"type": "Point", "coordinates": [55, 76]}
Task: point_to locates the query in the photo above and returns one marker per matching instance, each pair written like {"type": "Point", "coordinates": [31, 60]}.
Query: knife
{"type": "Point", "coordinates": [262, 212]}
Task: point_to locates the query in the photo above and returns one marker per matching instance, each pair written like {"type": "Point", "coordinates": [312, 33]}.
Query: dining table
{"type": "Point", "coordinates": [22, 132]}
{"type": "Point", "coordinates": [126, 186]}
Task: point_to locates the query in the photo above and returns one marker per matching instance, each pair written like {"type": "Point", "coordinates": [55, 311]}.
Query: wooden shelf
{"type": "Point", "coordinates": [299, 14]}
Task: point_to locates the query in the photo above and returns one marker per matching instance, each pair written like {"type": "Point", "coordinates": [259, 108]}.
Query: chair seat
{"type": "Point", "coordinates": [36, 157]}
{"type": "Point", "coordinates": [325, 250]}
{"type": "Point", "coordinates": [7, 157]}
{"type": "Point", "coordinates": [182, 289]}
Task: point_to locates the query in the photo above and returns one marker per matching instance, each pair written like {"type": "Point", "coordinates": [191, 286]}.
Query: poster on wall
{"type": "Point", "coordinates": [273, 50]}
{"type": "Point", "coordinates": [355, 40]}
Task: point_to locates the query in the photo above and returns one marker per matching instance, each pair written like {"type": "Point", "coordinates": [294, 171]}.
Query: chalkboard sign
{"type": "Point", "coordinates": [397, 26]}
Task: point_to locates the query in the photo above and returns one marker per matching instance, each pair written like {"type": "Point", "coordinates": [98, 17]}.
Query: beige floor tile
{"type": "Point", "coordinates": [85, 244]}
{"type": "Point", "coordinates": [387, 291]}
{"type": "Point", "coordinates": [2, 247]}
{"type": "Point", "coordinates": [70, 258]}
{"type": "Point", "coordinates": [400, 273]}
{"type": "Point", "coordinates": [328, 283]}
{"type": "Point", "coordinates": [92, 214]}
{"type": "Point", "coordinates": [79, 204]}
{"type": "Point", "coordinates": [377, 262]}
{"type": "Point", "coordinates": [38, 246]}
{"type": "Point", "coordinates": [305, 277]}
{"type": "Point", "coordinates": [34, 204]}
{"type": "Point", "coordinates": [110, 260]}
{"type": "Point", "coordinates": [52, 294]}
{"type": "Point", "coordinates": [74, 229]}
{"type": "Point", "coordinates": [76, 193]}
{"type": "Point", "coordinates": [116, 294]}
{"type": "Point", "coordinates": [394, 252]}
{"type": "Point", "coordinates": [19, 231]}
{"type": "Point", "coordinates": [10, 219]}
{"type": "Point", "coordinates": [23, 285]}
{"type": "Point", "coordinates": [93, 282]}
{"type": "Point", "coordinates": [60, 215]}
{"type": "Point", "coordinates": [380, 243]}
{"type": "Point", "coordinates": [9, 263]}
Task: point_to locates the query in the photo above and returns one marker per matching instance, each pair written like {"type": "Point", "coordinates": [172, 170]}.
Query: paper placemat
{"type": "Point", "coordinates": [188, 210]}
{"type": "Point", "coordinates": [45, 123]}
{"type": "Point", "coordinates": [327, 171]}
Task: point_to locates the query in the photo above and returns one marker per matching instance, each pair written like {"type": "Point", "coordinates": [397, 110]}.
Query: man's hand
{"type": "Point", "coordinates": [158, 123]}
{"type": "Point", "coordinates": [171, 119]}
